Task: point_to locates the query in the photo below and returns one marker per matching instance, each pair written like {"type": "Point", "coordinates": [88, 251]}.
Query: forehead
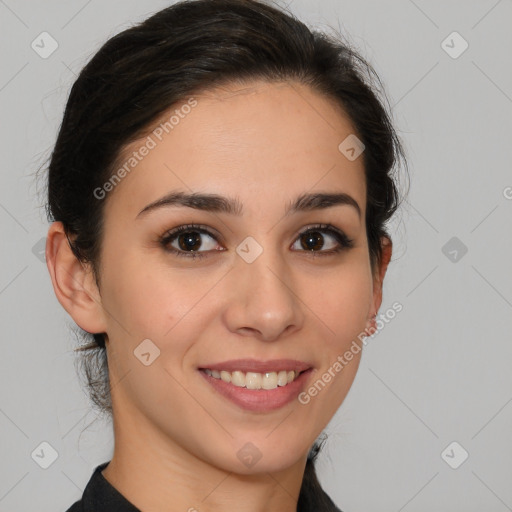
{"type": "Point", "coordinates": [245, 139]}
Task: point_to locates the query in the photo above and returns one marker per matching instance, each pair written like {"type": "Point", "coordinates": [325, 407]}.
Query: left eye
{"type": "Point", "coordinates": [189, 240]}
{"type": "Point", "coordinates": [312, 239]}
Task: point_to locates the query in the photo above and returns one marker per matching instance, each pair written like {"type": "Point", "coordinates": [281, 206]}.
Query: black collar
{"type": "Point", "coordinates": [100, 496]}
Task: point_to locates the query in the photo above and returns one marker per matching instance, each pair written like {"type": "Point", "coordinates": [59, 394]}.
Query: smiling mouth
{"type": "Point", "coordinates": [255, 380]}
{"type": "Point", "coordinates": [259, 399]}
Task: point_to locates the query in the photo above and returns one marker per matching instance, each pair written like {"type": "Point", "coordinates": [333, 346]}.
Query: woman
{"type": "Point", "coordinates": [218, 193]}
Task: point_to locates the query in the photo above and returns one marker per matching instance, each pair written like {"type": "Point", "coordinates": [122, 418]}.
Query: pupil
{"type": "Point", "coordinates": [312, 237]}
{"type": "Point", "coordinates": [190, 243]}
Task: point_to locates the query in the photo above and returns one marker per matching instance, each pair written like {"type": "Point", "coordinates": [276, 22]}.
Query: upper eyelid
{"type": "Point", "coordinates": [190, 227]}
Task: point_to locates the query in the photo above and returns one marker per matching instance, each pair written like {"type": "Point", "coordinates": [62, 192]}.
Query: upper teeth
{"type": "Point", "coordinates": [253, 380]}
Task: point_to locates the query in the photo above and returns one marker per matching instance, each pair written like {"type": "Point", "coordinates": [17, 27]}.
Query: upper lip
{"type": "Point", "coordinates": [258, 366]}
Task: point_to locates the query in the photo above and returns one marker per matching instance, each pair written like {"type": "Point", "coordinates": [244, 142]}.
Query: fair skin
{"type": "Point", "coordinates": [176, 439]}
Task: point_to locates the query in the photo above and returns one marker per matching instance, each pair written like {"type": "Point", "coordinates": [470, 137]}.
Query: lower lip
{"type": "Point", "coordinates": [261, 400]}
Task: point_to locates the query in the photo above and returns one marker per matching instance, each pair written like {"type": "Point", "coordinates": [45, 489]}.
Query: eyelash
{"type": "Point", "coordinates": [344, 241]}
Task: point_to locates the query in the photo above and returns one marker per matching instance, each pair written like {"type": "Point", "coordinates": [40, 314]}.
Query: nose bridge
{"type": "Point", "coordinates": [263, 261]}
{"type": "Point", "coordinates": [267, 275]}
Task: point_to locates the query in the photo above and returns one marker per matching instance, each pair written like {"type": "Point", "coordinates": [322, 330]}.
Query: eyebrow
{"type": "Point", "coordinates": [220, 204]}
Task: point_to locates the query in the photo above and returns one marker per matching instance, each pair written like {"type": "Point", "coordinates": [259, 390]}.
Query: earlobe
{"type": "Point", "coordinates": [73, 282]}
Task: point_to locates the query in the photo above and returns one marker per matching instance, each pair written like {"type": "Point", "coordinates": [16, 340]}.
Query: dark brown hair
{"type": "Point", "coordinates": [189, 47]}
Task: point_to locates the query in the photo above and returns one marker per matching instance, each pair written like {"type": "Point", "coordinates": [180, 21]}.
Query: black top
{"type": "Point", "coordinates": [100, 496]}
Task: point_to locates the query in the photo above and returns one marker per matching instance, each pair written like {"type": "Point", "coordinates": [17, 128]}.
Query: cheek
{"type": "Point", "coordinates": [139, 298]}
{"type": "Point", "coordinates": [341, 305]}
{"type": "Point", "coordinates": [342, 300]}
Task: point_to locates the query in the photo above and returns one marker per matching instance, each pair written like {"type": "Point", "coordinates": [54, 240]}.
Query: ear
{"type": "Point", "coordinates": [378, 281]}
{"type": "Point", "coordinates": [73, 282]}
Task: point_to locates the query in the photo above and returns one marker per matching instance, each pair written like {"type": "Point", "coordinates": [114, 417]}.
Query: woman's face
{"type": "Point", "coordinates": [258, 293]}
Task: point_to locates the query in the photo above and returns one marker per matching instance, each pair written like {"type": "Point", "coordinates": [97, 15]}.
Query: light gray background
{"type": "Point", "coordinates": [438, 373]}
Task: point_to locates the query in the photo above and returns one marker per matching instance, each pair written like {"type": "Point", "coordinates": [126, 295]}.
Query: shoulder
{"type": "Point", "coordinates": [76, 507]}
{"type": "Point", "coordinates": [100, 496]}
{"type": "Point", "coordinates": [92, 489]}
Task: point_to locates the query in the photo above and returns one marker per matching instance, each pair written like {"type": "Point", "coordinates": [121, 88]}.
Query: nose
{"type": "Point", "coordinates": [264, 303]}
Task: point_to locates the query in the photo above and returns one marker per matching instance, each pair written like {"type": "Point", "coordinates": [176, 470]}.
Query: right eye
{"type": "Point", "coordinates": [188, 239]}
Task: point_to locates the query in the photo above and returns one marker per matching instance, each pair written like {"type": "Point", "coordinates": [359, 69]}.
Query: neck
{"type": "Point", "coordinates": [154, 472]}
